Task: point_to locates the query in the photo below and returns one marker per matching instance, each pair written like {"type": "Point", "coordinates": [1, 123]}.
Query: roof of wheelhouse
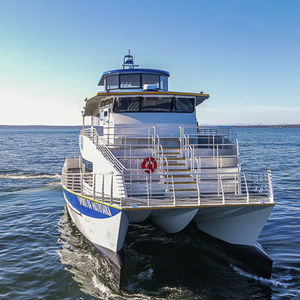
{"type": "Point", "coordinates": [92, 104]}
{"type": "Point", "coordinates": [130, 68]}
{"type": "Point", "coordinates": [132, 71]}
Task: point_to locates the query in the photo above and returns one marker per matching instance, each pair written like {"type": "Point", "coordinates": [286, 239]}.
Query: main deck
{"type": "Point", "coordinates": [196, 167]}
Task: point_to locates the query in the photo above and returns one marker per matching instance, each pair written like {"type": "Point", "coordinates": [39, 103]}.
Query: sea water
{"type": "Point", "coordinates": [43, 255]}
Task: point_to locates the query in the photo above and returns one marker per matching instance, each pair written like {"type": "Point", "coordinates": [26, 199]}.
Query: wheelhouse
{"type": "Point", "coordinates": [124, 79]}
{"type": "Point", "coordinates": [137, 95]}
{"type": "Point", "coordinates": [134, 78]}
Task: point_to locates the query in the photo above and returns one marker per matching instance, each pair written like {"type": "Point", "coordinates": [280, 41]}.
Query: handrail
{"type": "Point", "coordinates": [246, 186]}
{"type": "Point", "coordinates": [271, 194]}
{"type": "Point", "coordinates": [173, 190]}
{"type": "Point", "coordinates": [256, 189]}
{"type": "Point", "coordinates": [157, 151]}
{"type": "Point", "coordinates": [111, 158]}
{"type": "Point", "coordinates": [97, 140]}
{"type": "Point", "coordinates": [237, 147]}
{"type": "Point", "coordinates": [198, 189]}
{"type": "Point", "coordinates": [222, 188]}
{"type": "Point", "coordinates": [167, 163]}
{"type": "Point", "coordinates": [198, 161]}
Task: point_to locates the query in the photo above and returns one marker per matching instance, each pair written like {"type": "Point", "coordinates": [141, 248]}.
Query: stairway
{"type": "Point", "coordinates": [185, 183]}
{"type": "Point", "coordinates": [185, 179]}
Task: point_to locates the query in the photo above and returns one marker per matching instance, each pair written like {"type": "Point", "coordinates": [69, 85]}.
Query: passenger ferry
{"type": "Point", "coordinates": [144, 156]}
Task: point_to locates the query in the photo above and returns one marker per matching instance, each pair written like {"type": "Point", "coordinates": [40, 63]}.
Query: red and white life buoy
{"type": "Point", "coordinates": [149, 164]}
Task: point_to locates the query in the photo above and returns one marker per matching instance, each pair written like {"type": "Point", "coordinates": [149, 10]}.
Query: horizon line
{"type": "Point", "coordinates": [231, 125]}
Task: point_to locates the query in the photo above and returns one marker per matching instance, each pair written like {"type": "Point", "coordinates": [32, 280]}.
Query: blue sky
{"type": "Point", "coordinates": [245, 54]}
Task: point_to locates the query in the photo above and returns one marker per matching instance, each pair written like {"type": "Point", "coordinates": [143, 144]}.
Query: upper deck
{"type": "Point", "coordinates": [140, 96]}
{"type": "Point", "coordinates": [132, 78]}
{"type": "Point", "coordinates": [198, 168]}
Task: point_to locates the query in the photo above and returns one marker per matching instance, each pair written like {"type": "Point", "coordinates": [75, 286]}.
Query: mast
{"type": "Point", "coordinates": [128, 62]}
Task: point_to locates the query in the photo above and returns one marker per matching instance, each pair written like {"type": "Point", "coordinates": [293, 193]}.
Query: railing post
{"type": "Point", "coordinates": [198, 188]}
{"type": "Point", "coordinates": [180, 140]}
{"type": "Point", "coordinates": [147, 186]}
{"type": "Point", "coordinates": [131, 184]}
{"type": "Point", "coordinates": [235, 184]}
{"type": "Point", "coordinates": [271, 195]}
{"type": "Point", "coordinates": [103, 188]}
{"type": "Point", "coordinates": [247, 191]}
{"type": "Point", "coordinates": [237, 147]}
{"type": "Point", "coordinates": [81, 183]}
{"type": "Point", "coordinates": [111, 188]}
{"type": "Point", "coordinates": [239, 180]}
{"type": "Point", "coordinates": [222, 190]}
{"type": "Point", "coordinates": [94, 185]}
{"type": "Point", "coordinates": [173, 187]}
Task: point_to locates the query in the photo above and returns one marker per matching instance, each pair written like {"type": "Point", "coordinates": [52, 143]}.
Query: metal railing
{"type": "Point", "coordinates": [161, 190]}
{"type": "Point", "coordinates": [105, 144]}
{"type": "Point", "coordinates": [217, 142]}
{"type": "Point", "coordinates": [101, 146]}
{"type": "Point", "coordinates": [113, 138]}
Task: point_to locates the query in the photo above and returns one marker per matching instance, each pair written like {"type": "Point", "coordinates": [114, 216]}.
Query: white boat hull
{"type": "Point", "coordinates": [173, 219]}
{"type": "Point", "coordinates": [106, 226]}
{"type": "Point", "coordinates": [233, 224]}
{"type": "Point", "coordinates": [103, 225]}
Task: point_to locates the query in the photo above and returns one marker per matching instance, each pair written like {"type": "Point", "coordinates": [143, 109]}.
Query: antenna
{"type": "Point", "coordinates": [128, 62]}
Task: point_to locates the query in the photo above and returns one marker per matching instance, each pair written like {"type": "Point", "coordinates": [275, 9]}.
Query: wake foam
{"type": "Point", "coordinates": [264, 281]}
{"type": "Point", "coordinates": [20, 176]}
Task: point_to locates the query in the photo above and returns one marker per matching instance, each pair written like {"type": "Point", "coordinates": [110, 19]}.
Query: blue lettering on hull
{"type": "Point", "coordinates": [91, 208]}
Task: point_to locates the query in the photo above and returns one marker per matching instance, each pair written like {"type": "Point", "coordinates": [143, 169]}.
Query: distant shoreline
{"type": "Point", "coordinates": [79, 126]}
{"type": "Point", "coordinates": [267, 126]}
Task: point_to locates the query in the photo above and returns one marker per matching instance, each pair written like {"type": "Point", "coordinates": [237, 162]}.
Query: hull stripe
{"type": "Point", "coordinates": [90, 208]}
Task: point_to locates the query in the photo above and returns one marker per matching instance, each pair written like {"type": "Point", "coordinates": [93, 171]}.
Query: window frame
{"type": "Point", "coordinates": [141, 81]}
{"type": "Point", "coordinates": [130, 88]}
{"type": "Point", "coordinates": [152, 96]}
{"type": "Point", "coordinates": [118, 87]}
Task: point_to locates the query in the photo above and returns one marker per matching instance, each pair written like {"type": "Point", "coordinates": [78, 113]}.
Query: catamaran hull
{"type": "Point", "coordinates": [105, 226]}
{"type": "Point", "coordinates": [174, 219]}
{"type": "Point", "coordinates": [233, 224]}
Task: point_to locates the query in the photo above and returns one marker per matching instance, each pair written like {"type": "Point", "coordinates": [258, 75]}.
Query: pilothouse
{"type": "Point", "coordinates": [144, 156]}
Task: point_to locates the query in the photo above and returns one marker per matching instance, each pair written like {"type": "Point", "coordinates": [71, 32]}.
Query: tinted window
{"type": "Point", "coordinates": [156, 104]}
{"type": "Point", "coordinates": [164, 83]}
{"type": "Point", "coordinates": [127, 104]}
{"type": "Point", "coordinates": [112, 82]}
{"type": "Point", "coordinates": [130, 81]}
{"type": "Point", "coordinates": [150, 79]}
{"type": "Point", "coordinates": [184, 105]}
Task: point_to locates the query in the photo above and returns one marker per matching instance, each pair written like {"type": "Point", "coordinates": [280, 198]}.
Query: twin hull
{"type": "Point", "coordinates": [106, 226]}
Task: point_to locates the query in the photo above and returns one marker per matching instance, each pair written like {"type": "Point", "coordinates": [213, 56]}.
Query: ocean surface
{"type": "Point", "coordinates": [43, 256]}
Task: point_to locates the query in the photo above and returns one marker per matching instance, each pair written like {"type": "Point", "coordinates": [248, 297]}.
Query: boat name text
{"type": "Point", "coordinates": [95, 206]}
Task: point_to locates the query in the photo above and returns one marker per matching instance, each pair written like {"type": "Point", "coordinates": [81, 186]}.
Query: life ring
{"type": "Point", "coordinates": [149, 164]}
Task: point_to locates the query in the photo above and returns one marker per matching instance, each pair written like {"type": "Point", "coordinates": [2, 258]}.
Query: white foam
{"type": "Point", "coordinates": [27, 176]}
{"type": "Point", "coordinates": [100, 286]}
{"type": "Point", "coordinates": [265, 281]}
{"type": "Point", "coordinates": [146, 275]}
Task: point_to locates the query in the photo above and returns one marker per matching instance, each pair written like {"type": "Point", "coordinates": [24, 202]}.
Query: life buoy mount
{"type": "Point", "coordinates": [149, 164]}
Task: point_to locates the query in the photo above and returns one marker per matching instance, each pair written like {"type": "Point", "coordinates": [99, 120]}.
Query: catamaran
{"type": "Point", "coordinates": [143, 155]}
